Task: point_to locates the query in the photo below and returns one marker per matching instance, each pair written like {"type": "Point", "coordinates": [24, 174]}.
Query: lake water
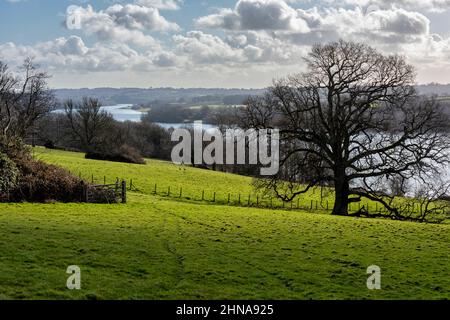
{"type": "Point", "coordinates": [123, 112]}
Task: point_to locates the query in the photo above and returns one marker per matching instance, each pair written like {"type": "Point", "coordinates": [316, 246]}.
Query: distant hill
{"type": "Point", "coordinates": [435, 89]}
{"type": "Point", "coordinates": [112, 96]}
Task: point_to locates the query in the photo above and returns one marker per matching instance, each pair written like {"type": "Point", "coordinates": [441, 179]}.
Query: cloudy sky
{"type": "Point", "coordinates": [212, 43]}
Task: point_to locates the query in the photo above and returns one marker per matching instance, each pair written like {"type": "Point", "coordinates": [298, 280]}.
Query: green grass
{"type": "Point", "coordinates": [191, 181]}
{"type": "Point", "coordinates": [160, 248]}
{"type": "Point", "coordinates": [164, 174]}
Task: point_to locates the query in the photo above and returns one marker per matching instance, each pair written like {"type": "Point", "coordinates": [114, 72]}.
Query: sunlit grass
{"type": "Point", "coordinates": [154, 248]}
{"type": "Point", "coordinates": [162, 248]}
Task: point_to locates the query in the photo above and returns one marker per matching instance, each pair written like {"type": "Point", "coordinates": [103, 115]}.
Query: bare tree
{"type": "Point", "coordinates": [88, 122]}
{"type": "Point", "coordinates": [352, 121]}
{"type": "Point", "coordinates": [23, 99]}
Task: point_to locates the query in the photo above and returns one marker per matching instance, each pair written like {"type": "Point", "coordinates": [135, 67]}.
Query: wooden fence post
{"type": "Point", "coordinates": [239, 199]}
{"type": "Point", "coordinates": [229, 198]}
{"type": "Point", "coordinates": [85, 192]}
{"type": "Point", "coordinates": [156, 189]}
{"type": "Point", "coordinates": [214, 200]}
{"type": "Point", "coordinates": [203, 195]}
{"type": "Point", "coordinates": [181, 192]}
{"type": "Point", "coordinates": [124, 191]}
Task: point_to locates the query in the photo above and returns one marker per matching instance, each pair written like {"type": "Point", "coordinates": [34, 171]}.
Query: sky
{"type": "Point", "coordinates": [212, 43]}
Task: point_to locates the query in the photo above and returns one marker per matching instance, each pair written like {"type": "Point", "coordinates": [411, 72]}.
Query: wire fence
{"type": "Point", "coordinates": [323, 204]}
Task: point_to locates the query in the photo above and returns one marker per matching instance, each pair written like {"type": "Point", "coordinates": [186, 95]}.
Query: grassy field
{"type": "Point", "coordinates": [192, 182]}
{"type": "Point", "coordinates": [160, 248]}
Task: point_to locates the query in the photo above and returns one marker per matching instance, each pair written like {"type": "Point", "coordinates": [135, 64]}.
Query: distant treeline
{"type": "Point", "coordinates": [137, 96]}
{"type": "Point", "coordinates": [112, 96]}
{"type": "Point", "coordinates": [176, 113]}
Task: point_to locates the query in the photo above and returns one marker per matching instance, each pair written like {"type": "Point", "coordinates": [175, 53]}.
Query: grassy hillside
{"type": "Point", "coordinates": [191, 181]}
{"type": "Point", "coordinates": [164, 174]}
{"type": "Point", "coordinates": [159, 248]}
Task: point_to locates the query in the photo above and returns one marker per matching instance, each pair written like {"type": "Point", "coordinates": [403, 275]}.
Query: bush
{"type": "Point", "coordinates": [15, 149]}
{"type": "Point", "coordinates": [125, 154]}
{"type": "Point", "coordinates": [24, 179]}
{"type": "Point", "coordinates": [8, 174]}
{"type": "Point", "coordinates": [41, 182]}
{"type": "Point", "coordinates": [49, 144]}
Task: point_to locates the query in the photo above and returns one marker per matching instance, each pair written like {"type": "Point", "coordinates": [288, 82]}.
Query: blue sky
{"type": "Point", "coordinates": [30, 20]}
{"type": "Point", "coordinates": [213, 43]}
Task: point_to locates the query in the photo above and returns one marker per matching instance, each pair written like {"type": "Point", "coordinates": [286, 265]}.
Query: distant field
{"type": "Point", "coordinates": [161, 248]}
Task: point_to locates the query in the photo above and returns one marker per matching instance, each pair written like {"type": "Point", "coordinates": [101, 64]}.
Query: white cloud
{"type": "Point", "coordinates": [278, 17]}
{"type": "Point", "coordinates": [72, 55]}
{"type": "Point", "coordinates": [253, 41]}
{"type": "Point", "coordinates": [392, 25]}
{"type": "Point", "coordinates": [123, 23]}
{"type": "Point", "coordinates": [238, 49]}
{"type": "Point", "coordinates": [256, 15]}
{"type": "Point", "coordinates": [427, 5]}
{"type": "Point", "coordinates": [205, 48]}
{"type": "Point", "coordinates": [161, 4]}
{"type": "Point", "coordinates": [389, 28]}
{"type": "Point", "coordinates": [139, 17]}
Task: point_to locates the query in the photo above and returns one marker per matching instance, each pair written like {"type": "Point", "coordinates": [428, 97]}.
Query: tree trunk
{"type": "Point", "coordinates": [342, 192]}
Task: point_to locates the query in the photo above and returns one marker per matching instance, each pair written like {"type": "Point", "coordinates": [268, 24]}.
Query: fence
{"type": "Point", "coordinates": [265, 202]}
{"type": "Point", "coordinates": [237, 199]}
{"type": "Point", "coordinates": [105, 193]}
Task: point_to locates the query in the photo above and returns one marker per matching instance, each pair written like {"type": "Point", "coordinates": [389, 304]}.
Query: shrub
{"type": "Point", "coordinates": [49, 144]}
{"type": "Point", "coordinates": [15, 149]}
{"type": "Point", "coordinates": [8, 174]}
{"type": "Point", "coordinates": [24, 179]}
{"type": "Point", "coordinates": [41, 182]}
{"type": "Point", "coordinates": [125, 154]}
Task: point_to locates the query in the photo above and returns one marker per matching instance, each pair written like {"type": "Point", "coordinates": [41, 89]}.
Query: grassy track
{"type": "Point", "coordinates": [158, 248]}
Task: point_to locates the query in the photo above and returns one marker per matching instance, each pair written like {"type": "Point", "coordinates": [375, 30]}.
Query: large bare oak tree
{"type": "Point", "coordinates": [354, 122]}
